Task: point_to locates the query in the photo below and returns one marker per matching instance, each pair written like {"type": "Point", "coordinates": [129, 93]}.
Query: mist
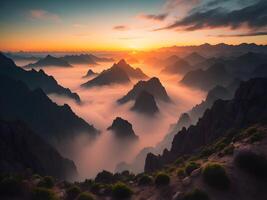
{"type": "Point", "coordinates": [99, 108]}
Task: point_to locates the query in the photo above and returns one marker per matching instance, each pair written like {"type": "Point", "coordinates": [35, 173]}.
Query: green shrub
{"type": "Point", "coordinates": [179, 161]}
{"type": "Point", "coordinates": [181, 173]}
{"type": "Point", "coordinates": [196, 194]}
{"type": "Point", "coordinates": [85, 196]}
{"type": "Point", "coordinates": [121, 191]}
{"type": "Point", "coordinates": [207, 151]}
{"type": "Point", "coordinates": [191, 166]}
{"type": "Point", "coordinates": [47, 182]}
{"type": "Point", "coordinates": [39, 193]}
{"type": "Point", "coordinates": [215, 176]}
{"type": "Point", "coordinates": [256, 137]}
{"type": "Point", "coordinates": [229, 150]}
{"type": "Point", "coordinates": [252, 163]}
{"type": "Point", "coordinates": [145, 180]}
{"type": "Point", "coordinates": [72, 192]}
{"type": "Point", "coordinates": [162, 179]}
{"type": "Point", "coordinates": [10, 186]}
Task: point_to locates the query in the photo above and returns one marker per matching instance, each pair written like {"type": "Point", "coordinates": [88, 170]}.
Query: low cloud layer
{"type": "Point", "coordinates": [159, 17]}
{"type": "Point", "coordinates": [44, 15]}
{"type": "Point", "coordinates": [121, 28]}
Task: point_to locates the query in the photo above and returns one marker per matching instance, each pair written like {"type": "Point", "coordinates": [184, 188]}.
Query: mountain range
{"type": "Point", "coordinates": [49, 61]}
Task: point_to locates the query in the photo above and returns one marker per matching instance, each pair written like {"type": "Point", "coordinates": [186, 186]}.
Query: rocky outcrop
{"type": "Point", "coordinates": [46, 118]}
{"type": "Point", "coordinates": [34, 79]}
{"type": "Point", "coordinates": [122, 129]}
{"type": "Point", "coordinates": [153, 86]}
{"type": "Point", "coordinates": [152, 163]}
{"type": "Point", "coordinates": [246, 108]}
{"type": "Point", "coordinates": [49, 61]}
{"type": "Point", "coordinates": [21, 149]}
{"type": "Point", "coordinates": [90, 73]}
{"type": "Point", "coordinates": [113, 75]}
{"type": "Point", "coordinates": [145, 104]}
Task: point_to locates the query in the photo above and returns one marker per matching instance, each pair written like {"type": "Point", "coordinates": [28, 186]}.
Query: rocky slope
{"type": "Point", "coordinates": [34, 79]}
{"type": "Point", "coordinates": [52, 122]}
{"type": "Point", "coordinates": [22, 149]}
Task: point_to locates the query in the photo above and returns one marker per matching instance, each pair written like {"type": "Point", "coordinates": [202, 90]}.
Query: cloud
{"type": "Point", "coordinates": [44, 15]}
{"type": "Point", "coordinates": [173, 4]}
{"type": "Point", "coordinates": [242, 34]}
{"type": "Point", "coordinates": [254, 16]}
{"type": "Point", "coordinates": [121, 28]}
{"type": "Point", "coordinates": [79, 25]}
{"type": "Point", "coordinates": [159, 17]}
{"type": "Point", "coordinates": [130, 38]}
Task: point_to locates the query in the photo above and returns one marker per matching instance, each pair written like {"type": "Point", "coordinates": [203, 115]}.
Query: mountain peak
{"type": "Point", "coordinates": [122, 62]}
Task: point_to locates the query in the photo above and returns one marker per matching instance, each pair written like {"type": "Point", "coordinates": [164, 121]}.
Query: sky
{"type": "Point", "coordinates": [99, 25]}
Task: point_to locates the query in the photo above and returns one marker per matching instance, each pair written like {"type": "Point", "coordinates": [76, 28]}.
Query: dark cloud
{"type": "Point", "coordinates": [121, 28]}
{"type": "Point", "coordinates": [254, 16]}
{"type": "Point", "coordinates": [243, 34]}
{"type": "Point", "coordinates": [159, 17]}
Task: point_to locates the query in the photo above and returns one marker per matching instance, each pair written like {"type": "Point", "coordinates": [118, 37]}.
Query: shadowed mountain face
{"type": "Point", "coordinates": [49, 61]}
{"type": "Point", "coordinates": [207, 79]}
{"type": "Point", "coordinates": [179, 67]}
{"type": "Point", "coordinates": [246, 108]}
{"type": "Point", "coordinates": [113, 75]}
{"type": "Point", "coordinates": [131, 72]}
{"type": "Point", "coordinates": [153, 86]}
{"type": "Point", "coordinates": [79, 59]}
{"type": "Point", "coordinates": [90, 73]}
{"type": "Point", "coordinates": [46, 118]}
{"type": "Point", "coordinates": [34, 79]}
{"type": "Point", "coordinates": [122, 129]}
{"type": "Point", "coordinates": [22, 149]}
{"type": "Point", "coordinates": [145, 103]}
{"type": "Point", "coordinates": [194, 58]}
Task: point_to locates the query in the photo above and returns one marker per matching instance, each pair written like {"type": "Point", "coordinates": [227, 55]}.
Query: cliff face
{"type": "Point", "coordinates": [247, 107]}
{"type": "Point", "coordinates": [21, 148]}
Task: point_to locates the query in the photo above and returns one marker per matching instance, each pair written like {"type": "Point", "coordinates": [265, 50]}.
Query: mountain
{"type": "Point", "coordinates": [145, 103]}
{"type": "Point", "coordinates": [248, 107]}
{"type": "Point", "coordinates": [131, 72]}
{"type": "Point", "coordinates": [260, 71]}
{"type": "Point", "coordinates": [171, 60]}
{"type": "Point", "coordinates": [34, 79]}
{"type": "Point", "coordinates": [179, 67]}
{"type": "Point", "coordinates": [90, 73]}
{"type": "Point", "coordinates": [218, 92]}
{"type": "Point", "coordinates": [22, 149]}
{"type": "Point", "coordinates": [52, 122]}
{"type": "Point", "coordinates": [79, 59]}
{"type": "Point", "coordinates": [194, 58]}
{"type": "Point", "coordinates": [49, 61]}
{"type": "Point", "coordinates": [113, 75]}
{"type": "Point", "coordinates": [122, 129]}
{"type": "Point", "coordinates": [21, 56]}
{"type": "Point", "coordinates": [207, 79]}
{"type": "Point", "coordinates": [153, 86]}
{"type": "Point", "coordinates": [100, 59]}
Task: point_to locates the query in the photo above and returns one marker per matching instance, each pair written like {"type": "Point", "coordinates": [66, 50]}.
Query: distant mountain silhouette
{"type": "Point", "coordinates": [21, 56]}
{"type": "Point", "coordinates": [49, 61]}
{"type": "Point", "coordinates": [52, 122]}
{"type": "Point", "coordinates": [79, 59]}
{"type": "Point", "coordinates": [194, 58]}
{"type": "Point", "coordinates": [100, 59]}
{"type": "Point", "coordinates": [248, 107]}
{"type": "Point", "coordinates": [153, 86]}
{"type": "Point", "coordinates": [260, 71]}
{"type": "Point", "coordinates": [122, 129]}
{"type": "Point", "coordinates": [131, 72]}
{"type": "Point", "coordinates": [207, 79]}
{"type": "Point", "coordinates": [22, 149]}
{"type": "Point", "coordinates": [34, 79]}
{"type": "Point", "coordinates": [145, 103]}
{"type": "Point", "coordinates": [113, 75]}
{"type": "Point", "coordinates": [171, 60]}
{"type": "Point", "coordinates": [90, 73]}
{"type": "Point", "coordinates": [179, 67]}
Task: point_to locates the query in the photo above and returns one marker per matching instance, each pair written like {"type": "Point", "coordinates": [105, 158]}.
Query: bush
{"type": "Point", "coordinates": [10, 186]}
{"type": "Point", "coordinates": [145, 180]}
{"type": "Point", "coordinates": [43, 194]}
{"type": "Point", "coordinates": [256, 137]}
{"type": "Point", "coordinates": [181, 173]}
{"type": "Point", "coordinates": [121, 191]}
{"type": "Point", "coordinates": [85, 196]}
{"type": "Point", "coordinates": [252, 163]}
{"type": "Point", "coordinates": [162, 179]}
{"type": "Point", "coordinates": [191, 166]}
{"type": "Point", "coordinates": [215, 176]}
{"type": "Point", "coordinates": [104, 177]}
{"type": "Point", "coordinates": [179, 161]}
{"type": "Point", "coordinates": [196, 194]}
{"type": "Point", "coordinates": [229, 150]}
{"type": "Point", "coordinates": [72, 192]}
{"type": "Point", "coordinates": [47, 182]}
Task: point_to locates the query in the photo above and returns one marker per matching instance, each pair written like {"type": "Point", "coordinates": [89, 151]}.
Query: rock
{"type": "Point", "coordinates": [122, 129]}
{"type": "Point", "coordinates": [146, 104]}
{"type": "Point", "coordinates": [186, 181]}
{"type": "Point", "coordinates": [152, 163]}
{"type": "Point", "coordinates": [195, 172]}
{"type": "Point", "coordinates": [177, 196]}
